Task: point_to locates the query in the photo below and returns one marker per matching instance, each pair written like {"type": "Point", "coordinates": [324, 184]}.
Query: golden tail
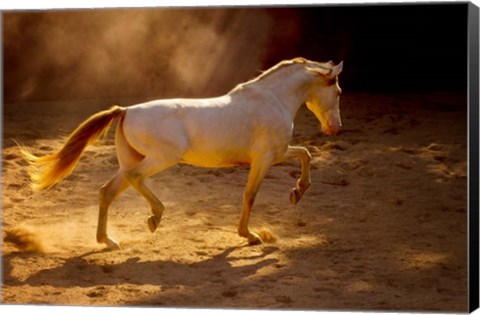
{"type": "Point", "coordinates": [48, 170]}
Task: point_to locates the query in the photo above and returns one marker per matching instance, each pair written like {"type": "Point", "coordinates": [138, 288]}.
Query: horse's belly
{"type": "Point", "coordinates": [215, 159]}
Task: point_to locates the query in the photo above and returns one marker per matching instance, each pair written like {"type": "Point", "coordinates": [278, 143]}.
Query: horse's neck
{"type": "Point", "coordinates": [289, 89]}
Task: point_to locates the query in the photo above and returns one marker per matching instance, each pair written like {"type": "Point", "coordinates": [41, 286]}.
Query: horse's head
{"type": "Point", "coordinates": [323, 95]}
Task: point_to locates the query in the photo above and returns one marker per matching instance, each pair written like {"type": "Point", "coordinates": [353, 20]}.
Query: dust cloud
{"type": "Point", "coordinates": [118, 54]}
{"type": "Point", "coordinates": [25, 239]}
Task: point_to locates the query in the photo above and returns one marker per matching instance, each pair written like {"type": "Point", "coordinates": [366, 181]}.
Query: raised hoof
{"type": "Point", "coordinates": [153, 222]}
{"type": "Point", "coordinates": [295, 196]}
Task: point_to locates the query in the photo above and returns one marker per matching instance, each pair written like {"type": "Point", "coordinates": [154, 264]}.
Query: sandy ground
{"type": "Point", "coordinates": [383, 227]}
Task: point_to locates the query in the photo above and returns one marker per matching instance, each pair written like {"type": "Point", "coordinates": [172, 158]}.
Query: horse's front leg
{"type": "Point", "coordinates": [258, 170]}
{"type": "Point", "coordinates": [304, 182]}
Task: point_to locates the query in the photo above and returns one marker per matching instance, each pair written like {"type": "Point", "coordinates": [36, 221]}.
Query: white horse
{"type": "Point", "coordinates": [250, 125]}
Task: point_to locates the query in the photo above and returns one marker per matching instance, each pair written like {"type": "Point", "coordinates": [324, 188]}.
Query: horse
{"type": "Point", "coordinates": [250, 125]}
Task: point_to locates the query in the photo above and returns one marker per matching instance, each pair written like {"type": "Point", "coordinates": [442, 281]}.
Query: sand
{"type": "Point", "coordinates": [383, 226]}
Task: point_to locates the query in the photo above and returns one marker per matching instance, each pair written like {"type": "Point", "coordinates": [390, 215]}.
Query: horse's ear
{"type": "Point", "coordinates": [328, 73]}
{"type": "Point", "coordinates": [336, 70]}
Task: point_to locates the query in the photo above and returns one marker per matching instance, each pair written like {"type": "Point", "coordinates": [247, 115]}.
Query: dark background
{"type": "Point", "coordinates": [159, 53]}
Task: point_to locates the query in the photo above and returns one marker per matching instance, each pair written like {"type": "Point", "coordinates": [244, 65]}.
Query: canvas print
{"type": "Point", "coordinates": [303, 157]}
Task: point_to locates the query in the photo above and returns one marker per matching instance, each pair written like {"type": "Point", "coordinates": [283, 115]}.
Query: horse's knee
{"type": "Point", "coordinates": [308, 156]}
{"type": "Point", "coordinates": [305, 155]}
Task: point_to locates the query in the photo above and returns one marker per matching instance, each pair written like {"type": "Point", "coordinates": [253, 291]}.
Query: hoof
{"type": "Point", "coordinates": [254, 239]}
{"type": "Point", "coordinates": [112, 244]}
{"type": "Point", "coordinates": [295, 196]}
{"type": "Point", "coordinates": [153, 222]}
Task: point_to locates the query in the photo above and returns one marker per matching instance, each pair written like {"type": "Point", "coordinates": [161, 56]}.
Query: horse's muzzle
{"type": "Point", "coordinates": [331, 129]}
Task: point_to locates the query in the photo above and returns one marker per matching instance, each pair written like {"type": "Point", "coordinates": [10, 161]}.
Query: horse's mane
{"type": "Point", "coordinates": [278, 66]}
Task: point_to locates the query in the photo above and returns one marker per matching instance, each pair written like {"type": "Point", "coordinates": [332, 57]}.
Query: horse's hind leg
{"type": "Point", "coordinates": [108, 192]}
{"type": "Point", "coordinates": [136, 177]}
{"type": "Point", "coordinates": [304, 182]}
{"type": "Point", "coordinates": [127, 158]}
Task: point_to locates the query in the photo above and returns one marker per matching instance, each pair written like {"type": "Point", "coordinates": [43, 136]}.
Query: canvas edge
{"type": "Point", "coordinates": [473, 143]}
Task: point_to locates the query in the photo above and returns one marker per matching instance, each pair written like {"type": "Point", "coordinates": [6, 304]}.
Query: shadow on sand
{"type": "Point", "coordinates": [135, 271]}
